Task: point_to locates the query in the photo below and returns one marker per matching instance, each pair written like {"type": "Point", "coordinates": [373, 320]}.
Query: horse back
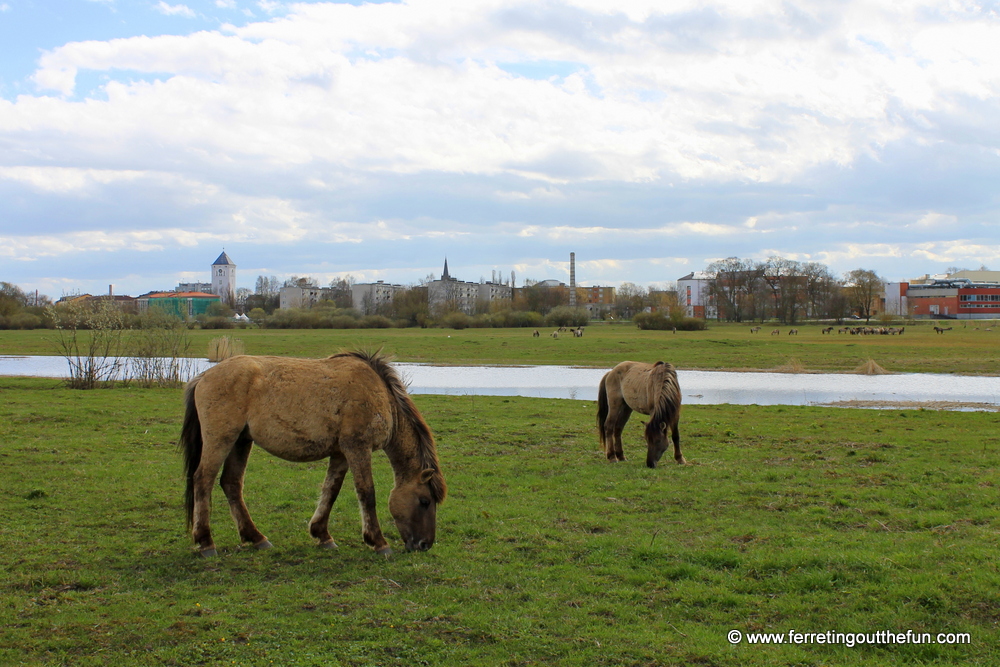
{"type": "Point", "coordinates": [296, 409]}
{"type": "Point", "coordinates": [633, 381]}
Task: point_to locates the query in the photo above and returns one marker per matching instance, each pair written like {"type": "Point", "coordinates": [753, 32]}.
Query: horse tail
{"type": "Point", "coordinates": [191, 445]}
{"type": "Point", "coordinates": [602, 407]}
{"type": "Point", "coordinates": [667, 399]}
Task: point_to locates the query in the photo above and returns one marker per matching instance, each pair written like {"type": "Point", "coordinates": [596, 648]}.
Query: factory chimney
{"type": "Point", "coordinates": [572, 280]}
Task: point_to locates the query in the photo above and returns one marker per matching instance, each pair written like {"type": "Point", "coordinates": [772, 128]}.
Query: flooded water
{"type": "Point", "coordinates": [697, 387]}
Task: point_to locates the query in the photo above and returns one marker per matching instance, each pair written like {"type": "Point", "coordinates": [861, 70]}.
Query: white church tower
{"type": "Point", "coordinates": [224, 278]}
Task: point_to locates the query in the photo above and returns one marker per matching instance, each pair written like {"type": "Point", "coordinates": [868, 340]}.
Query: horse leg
{"type": "Point", "coordinates": [623, 416]}
{"type": "Point", "coordinates": [676, 437]}
{"type": "Point", "coordinates": [359, 460]}
{"type": "Point", "coordinates": [232, 485]}
{"type": "Point", "coordinates": [320, 522]}
{"type": "Point", "coordinates": [610, 431]}
{"type": "Point", "coordinates": [202, 482]}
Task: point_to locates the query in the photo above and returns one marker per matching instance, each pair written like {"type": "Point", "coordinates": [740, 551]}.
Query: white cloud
{"type": "Point", "coordinates": [933, 220]}
{"type": "Point", "coordinates": [270, 7]}
{"type": "Point", "coordinates": [174, 10]}
{"type": "Point", "coordinates": [315, 108]}
{"type": "Point", "coordinates": [66, 180]}
{"type": "Point", "coordinates": [411, 88]}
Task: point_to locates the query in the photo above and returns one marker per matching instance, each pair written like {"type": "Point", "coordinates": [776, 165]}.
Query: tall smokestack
{"type": "Point", "coordinates": [572, 280]}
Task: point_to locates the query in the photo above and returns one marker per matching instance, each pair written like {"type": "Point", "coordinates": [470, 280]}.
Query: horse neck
{"type": "Point", "coordinates": [403, 450]}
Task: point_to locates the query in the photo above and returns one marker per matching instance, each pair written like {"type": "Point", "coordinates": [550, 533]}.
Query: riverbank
{"type": "Point", "coordinates": [966, 349]}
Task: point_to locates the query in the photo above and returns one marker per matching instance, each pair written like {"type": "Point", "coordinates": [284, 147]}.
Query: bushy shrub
{"type": "Point", "coordinates": [216, 323]}
{"type": "Point", "coordinates": [456, 321]}
{"type": "Point", "coordinates": [375, 322]}
{"type": "Point", "coordinates": [660, 321]}
{"type": "Point", "coordinates": [341, 322]}
{"type": "Point", "coordinates": [24, 321]}
{"type": "Point", "coordinates": [565, 316]}
{"type": "Point", "coordinates": [515, 318]}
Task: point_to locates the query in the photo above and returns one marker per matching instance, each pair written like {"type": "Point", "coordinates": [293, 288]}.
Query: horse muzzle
{"type": "Point", "coordinates": [419, 545]}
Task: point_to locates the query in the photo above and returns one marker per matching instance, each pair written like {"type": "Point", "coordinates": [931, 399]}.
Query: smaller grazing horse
{"type": "Point", "coordinates": [342, 408]}
{"type": "Point", "coordinates": [650, 389]}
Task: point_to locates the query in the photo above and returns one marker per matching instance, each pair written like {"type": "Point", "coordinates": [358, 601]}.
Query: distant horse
{"type": "Point", "coordinates": [343, 408]}
{"type": "Point", "coordinates": [535, 334]}
{"type": "Point", "coordinates": [650, 389]}
{"type": "Point", "coordinates": [942, 329]}
{"type": "Point", "coordinates": [754, 329]}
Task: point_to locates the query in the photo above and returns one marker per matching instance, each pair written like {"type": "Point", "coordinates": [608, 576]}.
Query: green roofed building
{"type": "Point", "coordinates": [180, 304]}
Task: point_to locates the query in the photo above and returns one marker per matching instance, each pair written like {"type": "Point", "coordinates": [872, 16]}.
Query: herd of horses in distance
{"type": "Point", "coordinates": [349, 405]}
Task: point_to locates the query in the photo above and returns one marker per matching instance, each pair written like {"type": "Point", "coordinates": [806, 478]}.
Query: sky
{"type": "Point", "coordinates": [141, 138]}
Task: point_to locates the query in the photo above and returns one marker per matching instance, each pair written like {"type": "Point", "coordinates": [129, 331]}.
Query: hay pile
{"type": "Point", "coordinates": [871, 368]}
{"type": "Point", "coordinates": [224, 347]}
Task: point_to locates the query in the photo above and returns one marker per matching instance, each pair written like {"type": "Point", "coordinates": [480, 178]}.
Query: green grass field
{"type": "Point", "coordinates": [804, 519]}
{"type": "Point", "coordinates": [966, 349]}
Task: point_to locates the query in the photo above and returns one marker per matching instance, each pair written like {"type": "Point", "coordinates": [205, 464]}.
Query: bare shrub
{"type": "Point", "coordinates": [159, 351]}
{"type": "Point", "coordinates": [92, 340]}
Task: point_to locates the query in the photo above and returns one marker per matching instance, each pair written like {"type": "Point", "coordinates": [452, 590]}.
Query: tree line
{"type": "Point", "coordinates": [741, 290]}
{"type": "Point", "coordinates": [746, 290]}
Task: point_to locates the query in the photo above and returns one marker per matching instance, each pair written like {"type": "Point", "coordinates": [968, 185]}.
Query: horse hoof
{"type": "Point", "coordinates": [387, 552]}
{"type": "Point", "coordinates": [209, 553]}
{"type": "Point", "coordinates": [681, 461]}
{"type": "Point", "coordinates": [330, 544]}
{"type": "Point", "coordinates": [263, 544]}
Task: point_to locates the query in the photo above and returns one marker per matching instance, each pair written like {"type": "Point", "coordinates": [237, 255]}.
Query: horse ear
{"type": "Point", "coordinates": [658, 363]}
{"type": "Point", "coordinates": [663, 427]}
{"type": "Point", "coordinates": [426, 475]}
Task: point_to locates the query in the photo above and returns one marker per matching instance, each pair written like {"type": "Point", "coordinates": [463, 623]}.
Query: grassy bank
{"type": "Point", "coordinates": [804, 519]}
{"type": "Point", "coordinates": [965, 349]}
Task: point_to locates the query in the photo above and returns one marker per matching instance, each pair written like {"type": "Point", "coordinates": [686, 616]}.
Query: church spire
{"type": "Point", "coordinates": [445, 275]}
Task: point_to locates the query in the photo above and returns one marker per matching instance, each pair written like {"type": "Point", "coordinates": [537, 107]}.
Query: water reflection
{"type": "Point", "coordinates": [698, 387]}
{"type": "Point", "coordinates": [712, 387]}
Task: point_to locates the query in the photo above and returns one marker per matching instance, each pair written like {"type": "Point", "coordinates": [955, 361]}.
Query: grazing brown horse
{"type": "Point", "coordinates": [650, 389]}
{"type": "Point", "coordinates": [343, 408]}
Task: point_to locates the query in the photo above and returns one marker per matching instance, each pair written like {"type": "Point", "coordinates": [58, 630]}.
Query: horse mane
{"type": "Point", "coordinates": [426, 449]}
{"type": "Point", "coordinates": [666, 397]}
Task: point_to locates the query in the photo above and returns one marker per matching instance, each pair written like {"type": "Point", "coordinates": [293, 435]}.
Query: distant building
{"type": "Point", "coordinates": [180, 304]}
{"type": "Point", "coordinates": [964, 295]}
{"type": "Point", "coordinates": [448, 293]}
{"type": "Point", "coordinates": [597, 300]}
{"type": "Point", "coordinates": [194, 287]}
{"type": "Point", "coordinates": [224, 279]}
{"type": "Point", "coordinates": [369, 297]}
{"type": "Point", "coordinates": [126, 303]}
{"type": "Point", "coordinates": [302, 296]}
{"type": "Point", "coordinates": [695, 297]}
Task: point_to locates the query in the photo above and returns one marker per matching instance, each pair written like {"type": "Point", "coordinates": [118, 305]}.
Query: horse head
{"type": "Point", "coordinates": [413, 505]}
{"type": "Point", "coordinates": [656, 443]}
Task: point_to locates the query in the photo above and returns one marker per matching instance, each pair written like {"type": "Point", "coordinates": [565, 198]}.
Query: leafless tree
{"type": "Point", "coordinates": [864, 289]}
{"type": "Point", "coordinates": [736, 286]}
